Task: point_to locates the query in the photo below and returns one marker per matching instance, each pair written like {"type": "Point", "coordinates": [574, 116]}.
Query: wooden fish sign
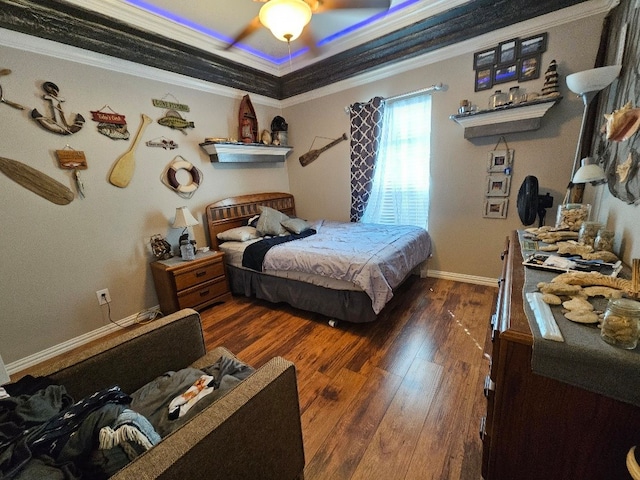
{"type": "Point", "coordinates": [111, 124]}
{"type": "Point", "coordinates": [57, 123]}
{"type": "Point", "coordinates": [174, 120]}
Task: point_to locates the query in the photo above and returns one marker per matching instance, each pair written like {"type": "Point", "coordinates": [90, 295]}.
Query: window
{"type": "Point", "coordinates": [400, 187]}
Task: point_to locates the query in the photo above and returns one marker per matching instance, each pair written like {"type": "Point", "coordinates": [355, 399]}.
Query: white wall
{"type": "Point", "coordinates": [56, 257]}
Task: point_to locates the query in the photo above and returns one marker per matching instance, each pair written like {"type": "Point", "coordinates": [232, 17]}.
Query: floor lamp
{"type": "Point", "coordinates": [587, 84]}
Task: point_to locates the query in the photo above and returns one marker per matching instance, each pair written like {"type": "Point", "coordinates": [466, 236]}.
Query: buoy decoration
{"type": "Point", "coordinates": [170, 178]}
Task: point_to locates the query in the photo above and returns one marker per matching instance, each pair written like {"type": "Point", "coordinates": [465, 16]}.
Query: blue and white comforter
{"type": "Point", "coordinates": [376, 258]}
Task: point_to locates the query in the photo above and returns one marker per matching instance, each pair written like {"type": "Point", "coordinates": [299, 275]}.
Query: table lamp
{"type": "Point", "coordinates": [184, 219]}
{"type": "Point", "coordinates": [587, 84]}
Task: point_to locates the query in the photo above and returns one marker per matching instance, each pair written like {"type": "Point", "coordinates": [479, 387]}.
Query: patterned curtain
{"type": "Point", "coordinates": [366, 126]}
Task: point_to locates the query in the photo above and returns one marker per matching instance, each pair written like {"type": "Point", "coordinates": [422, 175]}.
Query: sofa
{"type": "Point", "coordinates": [252, 432]}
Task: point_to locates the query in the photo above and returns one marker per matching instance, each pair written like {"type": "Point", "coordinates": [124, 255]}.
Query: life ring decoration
{"type": "Point", "coordinates": [170, 178]}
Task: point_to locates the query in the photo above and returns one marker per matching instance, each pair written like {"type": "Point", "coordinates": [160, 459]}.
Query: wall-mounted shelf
{"type": "Point", "coordinates": [507, 119]}
{"type": "Point", "coordinates": [245, 152]}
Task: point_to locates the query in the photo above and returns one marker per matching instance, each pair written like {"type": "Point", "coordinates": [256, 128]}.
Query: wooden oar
{"type": "Point", "coordinates": [311, 155]}
{"type": "Point", "coordinates": [36, 181]}
{"type": "Point", "coordinates": [123, 168]}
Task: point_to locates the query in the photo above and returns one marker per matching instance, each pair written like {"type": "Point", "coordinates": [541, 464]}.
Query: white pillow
{"type": "Point", "coordinates": [238, 234]}
{"type": "Point", "coordinates": [296, 225]}
{"type": "Point", "coordinates": [269, 222]}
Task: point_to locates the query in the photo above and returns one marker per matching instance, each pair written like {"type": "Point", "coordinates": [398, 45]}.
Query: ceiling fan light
{"type": "Point", "coordinates": [285, 18]}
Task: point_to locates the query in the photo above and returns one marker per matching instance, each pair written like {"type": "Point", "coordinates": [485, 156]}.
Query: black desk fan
{"type": "Point", "coordinates": [531, 204]}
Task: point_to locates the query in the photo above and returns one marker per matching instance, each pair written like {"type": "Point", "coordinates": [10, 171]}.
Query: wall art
{"type": "Point", "coordinates": [57, 123]}
{"type": "Point", "coordinates": [496, 207]}
{"type": "Point", "coordinates": [498, 185]}
{"type": "Point", "coordinates": [111, 124]}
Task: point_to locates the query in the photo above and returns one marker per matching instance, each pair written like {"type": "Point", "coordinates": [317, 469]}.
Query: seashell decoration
{"type": "Point", "coordinates": [622, 123]}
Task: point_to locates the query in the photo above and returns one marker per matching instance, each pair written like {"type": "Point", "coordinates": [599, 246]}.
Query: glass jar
{"type": "Point", "coordinates": [588, 232]}
{"type": "Point", "coordinates": [498, 99]}
{"type": "Point", "coordinates": [516, 95]}
{"type": "Point", "coordinates": [572, 215]}
{"type": "Point", "coordinates": [620, 323]}
{"type": "Point", "coordinates": [604, 240]}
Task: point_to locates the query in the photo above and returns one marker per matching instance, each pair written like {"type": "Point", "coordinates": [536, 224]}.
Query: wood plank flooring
{"type": "Point", "coordinates": [400, 398]}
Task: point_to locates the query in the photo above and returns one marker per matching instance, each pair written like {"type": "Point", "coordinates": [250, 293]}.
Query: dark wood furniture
{"type": "Point", "coordinates": [537, 427]}
{"type": "Point", "coordinates": [193, 284]}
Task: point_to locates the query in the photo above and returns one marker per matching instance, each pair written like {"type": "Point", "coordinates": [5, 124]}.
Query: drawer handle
{"type": "Point", "coordinates": [483, 427]}
{"type": "Point", "coordinates": [201, 274]}
{"type": "Point", "coordinates": [204, 293]}
{"type": "Point", "coordinates": [489, 386]}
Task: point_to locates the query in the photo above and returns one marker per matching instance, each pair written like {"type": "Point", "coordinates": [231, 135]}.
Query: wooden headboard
{"type": "Point", "coordinates": [236, 211]}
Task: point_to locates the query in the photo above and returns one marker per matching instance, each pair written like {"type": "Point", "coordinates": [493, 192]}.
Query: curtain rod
{"type": "Point", "coordinates": [433, 88]}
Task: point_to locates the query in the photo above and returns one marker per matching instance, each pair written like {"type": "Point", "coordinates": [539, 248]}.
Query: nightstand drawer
{"type": "Point", "coordinates": [202, 293]}
{"type": "Point", "coordinates": [199, 275]}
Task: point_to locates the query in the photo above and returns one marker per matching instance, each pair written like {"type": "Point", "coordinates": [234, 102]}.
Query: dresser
{"type": "Point", "coordinates": [193, 284]}
{"type": "Point", "coordinates": [536, 427]}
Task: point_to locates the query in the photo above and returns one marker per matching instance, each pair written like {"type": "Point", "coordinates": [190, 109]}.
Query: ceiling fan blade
{"type": "Point", "coordinates": [253, 26]}
{"type": "Point", "coordinates": [309, 41]}
{"type": "Point", "coordinates": [341, 4]}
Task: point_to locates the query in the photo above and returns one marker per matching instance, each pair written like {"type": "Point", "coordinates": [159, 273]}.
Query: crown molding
{"type": "Point", "coordinates": [207, 72]}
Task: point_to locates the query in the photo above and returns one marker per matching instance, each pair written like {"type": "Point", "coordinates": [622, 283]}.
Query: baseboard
{"type": "Point", "coordinates": [76, 342]}
{"type": "Point", "coordinates": [459, 277]}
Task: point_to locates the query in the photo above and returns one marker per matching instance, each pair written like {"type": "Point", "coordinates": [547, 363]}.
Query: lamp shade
{"type": "Point", "coordinates": [184, 218]}
{"type": "Point", "coordinates": [285, 18]}
{"type": "Point", "coordinates": [592, 80]}
{"type": "Point", "coordinates": [589, 172]}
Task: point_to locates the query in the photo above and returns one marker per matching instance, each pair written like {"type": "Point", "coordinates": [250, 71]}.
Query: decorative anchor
{"type": "Point", "coordinates": [57, 123]}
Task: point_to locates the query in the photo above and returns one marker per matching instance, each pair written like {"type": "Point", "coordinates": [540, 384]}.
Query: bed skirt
{"type": "Point", "coordinates": [347, 305]}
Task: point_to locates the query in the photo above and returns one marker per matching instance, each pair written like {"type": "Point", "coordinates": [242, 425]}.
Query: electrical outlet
{"type": "Point", "coordinates": [103, 296]}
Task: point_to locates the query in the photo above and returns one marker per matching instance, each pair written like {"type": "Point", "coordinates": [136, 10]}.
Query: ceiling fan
{"type": "Point", "coordinates": [287, 18]}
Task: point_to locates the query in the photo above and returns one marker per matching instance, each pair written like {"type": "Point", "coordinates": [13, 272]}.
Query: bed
{"type": "Point", "coordinates": [352, 277]}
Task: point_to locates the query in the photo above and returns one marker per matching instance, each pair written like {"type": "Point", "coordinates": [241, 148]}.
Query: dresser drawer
{"type": "Point", "coordinates": [202, 293]}
{"type": "Point", "coordinates": [199, 275]}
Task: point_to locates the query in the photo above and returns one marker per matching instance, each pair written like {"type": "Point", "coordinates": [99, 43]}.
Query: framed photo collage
{"type": "Point", "coordinates": [516, 59]}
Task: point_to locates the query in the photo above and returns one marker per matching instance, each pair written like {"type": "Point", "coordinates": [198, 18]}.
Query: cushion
{"type": "Point", "coordinates": [269, 222]}
{"type": "Point", "coordinates": [238, 234]}
{"type": "Point", "coordinates": [296, 225]}
{"type": "Point", "coordinates": [253, 221]}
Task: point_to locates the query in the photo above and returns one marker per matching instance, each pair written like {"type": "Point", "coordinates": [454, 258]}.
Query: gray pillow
{"type": "Point", "coordinates": [238, 234]}
{"type": "Point", "coordinates": [296, 225]}
{"type": "Point", "coordinates": [270, 221]}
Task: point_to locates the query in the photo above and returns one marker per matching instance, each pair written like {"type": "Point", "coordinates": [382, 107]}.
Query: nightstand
{"type": "Point", "coordinates": [194, 284]}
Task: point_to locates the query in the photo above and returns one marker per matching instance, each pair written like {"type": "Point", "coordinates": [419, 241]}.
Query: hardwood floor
{"type": "Point", "coordinates": [400, 398]}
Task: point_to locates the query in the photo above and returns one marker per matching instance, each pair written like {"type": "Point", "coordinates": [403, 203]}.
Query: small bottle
{"type": "Point", "coordinates": [604, 240]}
{"type": "Point", "coordinates": [620, 323]}
{"type": "Point", "coordinates": [186, 251]}
{"type": "Point", "coordinates": [588, 232]}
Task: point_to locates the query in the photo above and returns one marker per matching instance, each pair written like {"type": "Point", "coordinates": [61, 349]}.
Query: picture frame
{"type": "Point", "coordinates": [507, 73]}
{"type": "Point", "coordinates": [484, 79]}
{"type": "Point", "coordinates": [507, 52]}
{"type": "Point", "coordinates": [498, 185]}
{"type": "Point", "coordinates": [532, 45]}
{"type": "Point", "coordinates": [529, 68]}
{"type": "Point", "coordinates": [495, 208]}
{"type": "Point", "coordinates": [484, 58]}
{"type": "Point", "coordinates": [500, 161]}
